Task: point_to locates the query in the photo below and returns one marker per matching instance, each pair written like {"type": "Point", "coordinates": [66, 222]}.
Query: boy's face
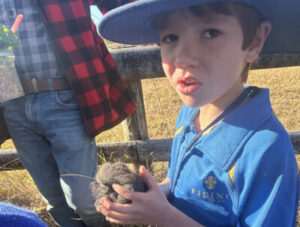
{"type": "Point", "coordinates": [202, 57]}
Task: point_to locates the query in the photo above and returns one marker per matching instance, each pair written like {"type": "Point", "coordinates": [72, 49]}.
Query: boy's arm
{"type": "Point", "coordinates": [272, 198]}
{"type": "Point", "coordinates": [106, 5]}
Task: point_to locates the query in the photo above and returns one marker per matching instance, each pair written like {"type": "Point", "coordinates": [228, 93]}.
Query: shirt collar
{"type": "Point", "coordinates": [237, 127]}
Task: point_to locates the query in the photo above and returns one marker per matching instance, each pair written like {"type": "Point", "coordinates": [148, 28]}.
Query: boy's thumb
{"type": "Point", "coordinates": [147, 177]}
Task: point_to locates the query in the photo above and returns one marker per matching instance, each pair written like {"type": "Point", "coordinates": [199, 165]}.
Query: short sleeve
{"type": "Point", "coordinates": [273, 196]}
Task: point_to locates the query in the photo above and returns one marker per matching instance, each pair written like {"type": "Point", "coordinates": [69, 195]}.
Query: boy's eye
{"type": "Point", "coordinates": [211, 33]}
{"type": "Point", "coordinates": [169, 38]}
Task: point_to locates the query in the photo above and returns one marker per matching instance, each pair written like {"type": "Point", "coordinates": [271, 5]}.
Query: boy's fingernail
{"type": "Point", "coordinates": [115, 186]}
{"type": "Point", "coordinates": [143, 170]}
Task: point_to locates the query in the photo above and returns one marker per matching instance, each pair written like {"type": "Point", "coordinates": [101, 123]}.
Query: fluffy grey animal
{"type": "Point", "coordinates": [119, 173]}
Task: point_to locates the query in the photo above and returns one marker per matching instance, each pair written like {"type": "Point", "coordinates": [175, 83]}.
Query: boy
{"type": "Point", "coordinates": [232, 162]}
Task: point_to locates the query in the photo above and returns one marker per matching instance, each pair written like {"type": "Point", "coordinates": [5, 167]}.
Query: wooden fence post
{"type": "Point", "coordinates": [135, 64]}
{"type": "Point", "coordinates": [135, 126]}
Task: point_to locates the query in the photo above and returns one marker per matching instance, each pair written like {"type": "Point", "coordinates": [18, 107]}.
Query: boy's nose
{"type": "Point", "coordinates": [186, 55]}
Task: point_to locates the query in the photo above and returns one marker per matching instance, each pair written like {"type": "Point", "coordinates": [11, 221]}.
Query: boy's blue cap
{"type": "Point", "coordinates": [132, 23]}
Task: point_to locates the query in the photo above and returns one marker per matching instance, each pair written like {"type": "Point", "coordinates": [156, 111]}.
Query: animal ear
{"type": "Point", "coordinates": [257, 45]}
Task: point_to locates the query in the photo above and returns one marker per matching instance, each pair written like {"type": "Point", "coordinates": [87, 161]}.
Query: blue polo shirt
{"type": "Point", "coordinates": [242, 173]}
{"type": "Point", "coordinates": [14, 216]}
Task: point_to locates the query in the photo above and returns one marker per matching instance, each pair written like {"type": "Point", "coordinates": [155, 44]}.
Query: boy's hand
{"type": "Point", "coordinates": [164, 187]}
{"type": "Point", "coordinates": [145, 208]}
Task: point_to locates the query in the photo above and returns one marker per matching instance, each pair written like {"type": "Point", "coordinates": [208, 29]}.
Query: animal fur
{"type": "Point", "coordinates": [116, 173]}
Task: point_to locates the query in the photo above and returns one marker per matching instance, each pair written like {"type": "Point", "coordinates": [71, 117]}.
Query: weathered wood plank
{"type": "Point", "coordinates": [276, 61]}
{"type": "Point", "coordinates": [132, 151]}
{"type": "Point", "coordinates": [135, 126]}
{"type": "Point", "coordinates": [295, 138]}
{"type": "Point", "coordinates": [138, 62]}
{"type": "Point", "coordinates": [9, 160]}
{"type": "Point", "coordinates": [144, 62]}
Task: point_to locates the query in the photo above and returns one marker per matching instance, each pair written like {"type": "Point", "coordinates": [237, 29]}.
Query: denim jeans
{"type": "Point", "coordinates": [49, 134]}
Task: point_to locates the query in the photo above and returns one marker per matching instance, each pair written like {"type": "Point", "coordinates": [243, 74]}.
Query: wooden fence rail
{"type": "Point", "coordinates": [139, 151]}
{"type": "Point", "coordinates": [135, 64]}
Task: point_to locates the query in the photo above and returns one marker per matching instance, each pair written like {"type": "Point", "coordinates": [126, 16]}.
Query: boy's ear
{"type": "Point", "coordinates": [258, 42]}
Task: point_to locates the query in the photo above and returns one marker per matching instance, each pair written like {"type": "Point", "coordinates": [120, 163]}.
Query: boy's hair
{"type": "Point", "coordinates": [248, 17]}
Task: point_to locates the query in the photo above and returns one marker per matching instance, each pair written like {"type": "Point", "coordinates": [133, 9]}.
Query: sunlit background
{"type": "Point", "coordinates": [96, 15]}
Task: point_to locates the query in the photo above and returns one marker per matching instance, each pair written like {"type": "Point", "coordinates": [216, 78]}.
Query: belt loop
{"type": "Point", "coordinates": [34, 85]}
{"type": "Point", "coordinates": [50, 83]}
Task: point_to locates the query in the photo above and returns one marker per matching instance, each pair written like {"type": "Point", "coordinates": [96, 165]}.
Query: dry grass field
{"type": "Point", "coordinates": [162, 106]}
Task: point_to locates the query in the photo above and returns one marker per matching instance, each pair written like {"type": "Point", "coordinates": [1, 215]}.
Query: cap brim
{"type": "Point", "coordinates": [132, 23]}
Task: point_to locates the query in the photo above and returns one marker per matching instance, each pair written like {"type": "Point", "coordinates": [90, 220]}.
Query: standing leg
{"type": "Point", "coordinates": [35, 154]}
{"type": "Point", "coordinates": [75, 154]}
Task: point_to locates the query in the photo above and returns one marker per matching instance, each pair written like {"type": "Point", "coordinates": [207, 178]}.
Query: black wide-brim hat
{"type": "Point", "coordinates": [132, 23]}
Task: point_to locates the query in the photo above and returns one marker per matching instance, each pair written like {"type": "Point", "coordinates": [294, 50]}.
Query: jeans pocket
{"type": "Point", "coordinates": [67, 98]}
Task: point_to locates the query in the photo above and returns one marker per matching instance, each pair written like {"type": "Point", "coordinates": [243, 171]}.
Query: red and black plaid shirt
{"type": "Point", "coordinates": [101, 92]}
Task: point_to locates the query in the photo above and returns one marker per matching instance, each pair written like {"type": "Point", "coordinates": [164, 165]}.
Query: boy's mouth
{"type": "Point", "coordinates": [187, 85]}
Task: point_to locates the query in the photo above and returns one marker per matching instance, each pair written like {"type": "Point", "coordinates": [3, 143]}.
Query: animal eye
{"type": "Point", "coordinates": [211, 33]}
{"type": "Point", "coordinates": [169, 38]}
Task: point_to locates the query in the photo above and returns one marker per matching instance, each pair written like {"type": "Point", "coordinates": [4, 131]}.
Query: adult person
{"type": "Point", "coordinates": [73, 91]}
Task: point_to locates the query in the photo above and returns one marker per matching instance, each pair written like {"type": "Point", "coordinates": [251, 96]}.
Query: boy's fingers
{"type": "Point", "coordinates": [104, 203]}
{"type": "Point", "coordinates": [166, 181]}
{"type": "Point", "coordinates": [142, 169]}
{"type": "Point", "coordinates": [147, 177]}
{"type": "Point", "coordinates": [109, 215]}
{"type": "Point", "coordinates": [122, 221]}
{"type": "Point", "coordinates": [126, 193]}
{"type": "Point", "coordinates": [117, 207]}
{"type": "Point", "coordinates": [122, 191]}
{"type": "Point", "coordinates": [117, 213]}
{"type": "Point", "coordinates": [114, 221]}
